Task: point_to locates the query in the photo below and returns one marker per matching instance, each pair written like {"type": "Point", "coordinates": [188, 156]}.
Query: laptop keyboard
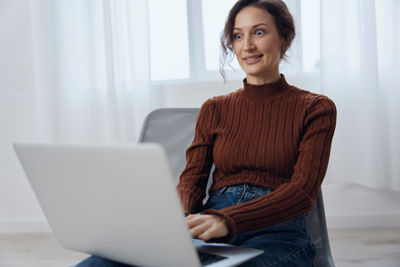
{"type": "Point", "coordinates": [206, 258]}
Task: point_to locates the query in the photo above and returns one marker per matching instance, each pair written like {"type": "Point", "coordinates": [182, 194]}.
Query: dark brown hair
{"type": "Point", "coordinates": [283, 21]}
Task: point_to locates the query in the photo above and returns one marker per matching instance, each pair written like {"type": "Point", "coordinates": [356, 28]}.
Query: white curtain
{"type": "Point", "coordinates": [360, 63]}
{"type": "Point", "coordinates": [91, 69]}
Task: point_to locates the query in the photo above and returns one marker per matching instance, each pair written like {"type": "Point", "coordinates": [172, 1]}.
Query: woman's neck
{"type": "Point", "coordinates": [264, 79]}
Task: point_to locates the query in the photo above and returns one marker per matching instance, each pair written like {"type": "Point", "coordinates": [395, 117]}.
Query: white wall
{"type": "Point", "coordinates": [346, 205]}
{"type": "Point", "coordinates": [19, 209]}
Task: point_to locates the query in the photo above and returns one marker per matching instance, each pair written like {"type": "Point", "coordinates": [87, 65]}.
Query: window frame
{"type": "Point", "coordinates": [197, 64]}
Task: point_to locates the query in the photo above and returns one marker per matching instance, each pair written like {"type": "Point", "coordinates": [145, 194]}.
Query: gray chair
{"type": "Point", "coordinates": [173, 128]}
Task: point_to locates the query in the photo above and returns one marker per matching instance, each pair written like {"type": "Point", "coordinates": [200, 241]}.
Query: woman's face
{"type": "Point", "coordinates": [257, 44]}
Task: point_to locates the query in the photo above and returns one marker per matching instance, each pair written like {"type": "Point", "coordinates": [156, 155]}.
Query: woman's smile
{"type": "Point", "coordinates": [250, 60]}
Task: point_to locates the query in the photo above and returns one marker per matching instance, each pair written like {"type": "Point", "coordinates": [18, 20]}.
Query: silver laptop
{"type": "Point", "coordinates": [118, 202]}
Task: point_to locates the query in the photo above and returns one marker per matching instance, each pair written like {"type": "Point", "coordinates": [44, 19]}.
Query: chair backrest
{"type": "Point", "coordinates": [173, 128]}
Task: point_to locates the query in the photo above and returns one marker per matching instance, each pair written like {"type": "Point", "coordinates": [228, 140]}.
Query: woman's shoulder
{"type": "Point", "coordinates": [220, 99]}
{"type": "Point", "coordinates": [310, 98]}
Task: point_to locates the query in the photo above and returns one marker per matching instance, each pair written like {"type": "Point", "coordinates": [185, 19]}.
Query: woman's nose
{"type": "Point", "coordinates": [249, 43]}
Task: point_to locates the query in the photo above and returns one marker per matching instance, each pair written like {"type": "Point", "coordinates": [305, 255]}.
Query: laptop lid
{"type": "Point", "coordinates": [114, 201]}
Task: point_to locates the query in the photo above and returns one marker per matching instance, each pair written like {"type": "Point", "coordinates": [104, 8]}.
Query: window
{"type": "Point", "coordinates": [185, 39]}
{"type": "Point", "coordinates": [214, 15]}
{"type": "Point", "coordinates": [169, 46]}
{"type": "Point", "coordinates": [310, 36]}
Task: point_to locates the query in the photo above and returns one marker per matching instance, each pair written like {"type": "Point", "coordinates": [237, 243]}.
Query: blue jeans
{"type": "Point", "coordinates": [284, 244]}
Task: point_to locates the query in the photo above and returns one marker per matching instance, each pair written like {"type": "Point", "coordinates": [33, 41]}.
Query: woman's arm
{"type": "Point", "coordinates": [199, 160]}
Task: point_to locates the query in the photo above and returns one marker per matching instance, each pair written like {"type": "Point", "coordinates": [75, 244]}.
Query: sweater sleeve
{"type": "Point", "coordinates": [296, 197]}
{"type": "Point", "coordinates": [199, 160]}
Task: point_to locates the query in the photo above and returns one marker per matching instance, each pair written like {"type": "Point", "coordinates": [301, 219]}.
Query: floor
{"type": "Point", "coordinates": [350, 248]}
{"type": "Point", "coordinates": [365, 247]}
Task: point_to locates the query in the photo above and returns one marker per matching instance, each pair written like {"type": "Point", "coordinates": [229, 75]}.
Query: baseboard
{"type": "Point", "coordinates": [363, 221]}
{"type": "Point", "coordinates": [24, 227]}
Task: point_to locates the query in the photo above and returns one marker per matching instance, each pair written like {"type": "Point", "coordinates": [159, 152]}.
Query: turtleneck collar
{"type": "Point", "coordinates": [265, 91]}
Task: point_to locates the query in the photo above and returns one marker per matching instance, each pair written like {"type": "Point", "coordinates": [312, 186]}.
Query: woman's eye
{"type": "Point", "coordinates": [238, 36]}
{"type": "Point", "coordinates": [259, 32]}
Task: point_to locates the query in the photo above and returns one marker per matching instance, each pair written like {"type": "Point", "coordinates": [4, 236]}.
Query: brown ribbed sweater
{"type": "Point", "coordinates": [273, 135]}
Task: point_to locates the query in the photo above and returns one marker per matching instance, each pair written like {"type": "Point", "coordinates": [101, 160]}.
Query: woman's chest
{"type": "Point", "coordinates": [263, 135]}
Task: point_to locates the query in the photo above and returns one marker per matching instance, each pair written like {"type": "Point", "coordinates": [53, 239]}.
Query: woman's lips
{"type": "Point", "coordinates": [252, 59]}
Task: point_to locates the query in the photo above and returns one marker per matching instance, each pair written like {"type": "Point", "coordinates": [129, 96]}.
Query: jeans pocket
{"type": "Point", "coordinates": [259, 190]}
{"type": "Point", "coordinates": [218, 192]}
{"type": "Point", "coordinates": [253, 192]}
{"type": "Point", "coordinates": [214, 200]}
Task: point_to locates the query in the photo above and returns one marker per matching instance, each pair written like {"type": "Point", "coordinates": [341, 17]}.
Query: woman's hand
{"type": "Point", "coordinates": [206, 226]}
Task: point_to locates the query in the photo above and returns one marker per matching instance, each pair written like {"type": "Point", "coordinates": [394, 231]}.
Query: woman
{"type": "Point", "coordinates": [270, 143]}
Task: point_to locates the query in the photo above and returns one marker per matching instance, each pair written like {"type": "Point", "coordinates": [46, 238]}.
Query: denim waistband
{"type": "Point", "coordinates": [243, 187]}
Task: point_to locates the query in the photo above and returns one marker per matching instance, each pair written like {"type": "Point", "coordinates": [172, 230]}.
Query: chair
{"type": "Point", "coordinates": [173, 128]}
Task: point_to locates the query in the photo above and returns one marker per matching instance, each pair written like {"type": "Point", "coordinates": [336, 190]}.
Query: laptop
{"type": "Point", "coordinates": [118, 202]}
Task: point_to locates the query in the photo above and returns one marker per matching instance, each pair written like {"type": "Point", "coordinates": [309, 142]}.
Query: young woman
{"type": "Point", "coordinates": [269, 141]}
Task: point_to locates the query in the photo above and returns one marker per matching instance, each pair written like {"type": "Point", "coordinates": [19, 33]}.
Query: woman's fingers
{"type": "Point", "coordinates": [199, 230]}
{"type": "Point", "coordinates": [208, 234]}
{"type": "Point", "coordinates": [206, 227]}
{"type": "Point", "coordinates": [194, 219]}
{"type": "Point", "coordinates": [197, 224]}
{"type": "Point", "coordinates": [217, 229]}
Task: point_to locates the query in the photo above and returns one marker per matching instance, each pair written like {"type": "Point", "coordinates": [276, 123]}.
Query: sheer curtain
{"type": "Point", "coordinates": [91, 69]}
{"type": "Point", "coordinates": [360, 42]}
